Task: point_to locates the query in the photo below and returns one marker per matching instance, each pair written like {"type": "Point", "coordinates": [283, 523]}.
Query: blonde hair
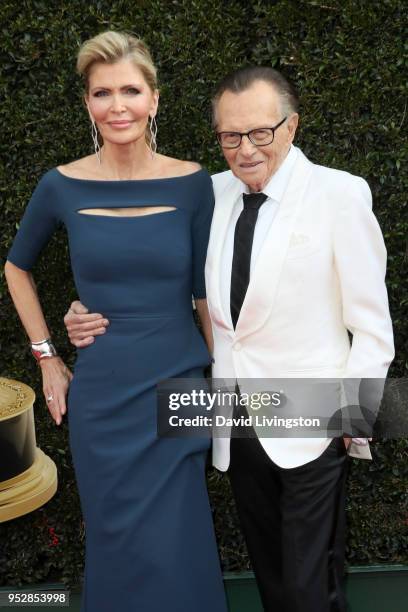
{"type": "Point", "coordinates": [110, 47]}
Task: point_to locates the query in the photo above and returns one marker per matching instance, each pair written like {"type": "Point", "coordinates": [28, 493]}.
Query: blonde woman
{"type": "Point", "coordinates": [138, 225]}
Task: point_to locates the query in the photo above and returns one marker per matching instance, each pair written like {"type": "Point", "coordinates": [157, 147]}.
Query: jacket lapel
{"type": "Point", "coordinates": [263, 285]}
{"type": "Point", "coordinates": [224, 206]}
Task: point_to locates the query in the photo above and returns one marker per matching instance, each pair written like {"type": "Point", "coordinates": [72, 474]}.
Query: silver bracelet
{"type": "Point", "coordinates": [43, 349]}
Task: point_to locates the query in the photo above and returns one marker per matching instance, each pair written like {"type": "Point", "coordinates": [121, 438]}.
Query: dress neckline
{"type": "Point", "coordinates": [150, 180]}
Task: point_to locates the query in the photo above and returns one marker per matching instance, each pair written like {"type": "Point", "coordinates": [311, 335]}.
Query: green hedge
{"type": "Point", "coordinates": [346, 56]}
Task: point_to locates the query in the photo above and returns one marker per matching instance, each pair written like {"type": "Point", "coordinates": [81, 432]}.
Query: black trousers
{"type": "Point", "coordinates": [293, 521]}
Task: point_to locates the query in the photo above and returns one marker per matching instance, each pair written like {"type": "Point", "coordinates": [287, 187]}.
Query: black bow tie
{"type": "Point", "coordinates": [241, 259]}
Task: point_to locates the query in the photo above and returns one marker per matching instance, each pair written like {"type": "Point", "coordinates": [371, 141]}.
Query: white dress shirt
{"type": "Point", "coordinates": [274, 189]}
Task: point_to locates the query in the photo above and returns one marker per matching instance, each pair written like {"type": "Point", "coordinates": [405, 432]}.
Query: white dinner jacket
{"type": "Point", "coordinates": [320, 272]}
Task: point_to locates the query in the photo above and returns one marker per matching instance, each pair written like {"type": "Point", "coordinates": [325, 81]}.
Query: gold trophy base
{"type": "Point", "coordinates": [30, 489]}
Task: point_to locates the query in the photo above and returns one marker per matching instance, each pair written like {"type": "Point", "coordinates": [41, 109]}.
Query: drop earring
{"type": "Point", "coordinates": [94, 133]}
{"type": "Point", "coordinates": [153, 135]}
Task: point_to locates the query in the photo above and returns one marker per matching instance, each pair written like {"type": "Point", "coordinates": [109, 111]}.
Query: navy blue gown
{"type": "Point", "coordinates": [150, 543]}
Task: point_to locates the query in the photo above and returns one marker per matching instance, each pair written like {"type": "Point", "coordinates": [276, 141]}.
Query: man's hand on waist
{"type": "Point", "coordinates": [82, 326]}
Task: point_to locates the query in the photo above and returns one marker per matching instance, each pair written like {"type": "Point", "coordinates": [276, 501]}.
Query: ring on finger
{"type": "Point", "coordinates": [50, 398]}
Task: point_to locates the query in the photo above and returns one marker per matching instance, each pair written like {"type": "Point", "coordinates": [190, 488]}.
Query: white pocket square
{"type": "Point", "coordinates": [298, 240]}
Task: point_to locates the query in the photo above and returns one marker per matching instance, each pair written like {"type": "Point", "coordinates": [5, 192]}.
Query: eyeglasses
{"type": "Point", "coordinates": [260, 137]}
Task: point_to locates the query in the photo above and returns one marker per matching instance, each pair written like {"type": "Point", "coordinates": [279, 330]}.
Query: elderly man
{"type": "Point", "coordinates": [296, 260]}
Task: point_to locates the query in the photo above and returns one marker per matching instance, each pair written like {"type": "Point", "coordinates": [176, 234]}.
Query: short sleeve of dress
{"type": "Point", "coordinates": [38, 224]}
{"type": "Point", "coordinates": [201, 233]}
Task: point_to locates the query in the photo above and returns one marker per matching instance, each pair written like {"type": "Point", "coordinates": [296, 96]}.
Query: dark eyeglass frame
{"type": "Point", "coordinates": [248, 134]}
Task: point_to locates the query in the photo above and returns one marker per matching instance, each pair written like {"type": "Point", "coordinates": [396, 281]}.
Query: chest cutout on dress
{"type": "Point", "coordinates": [131, 211]}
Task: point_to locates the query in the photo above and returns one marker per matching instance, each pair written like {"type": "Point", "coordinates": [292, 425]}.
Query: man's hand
{"type": "Point", "coordinates": [359, 441]}
{"type": "Point", "coordinates": [82, 326]}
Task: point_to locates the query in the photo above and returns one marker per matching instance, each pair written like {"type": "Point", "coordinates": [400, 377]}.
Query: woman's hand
{"type": "Point", "coordinates": [56, 376]}
{"type": "Point", "coordinates": [56, 379]}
